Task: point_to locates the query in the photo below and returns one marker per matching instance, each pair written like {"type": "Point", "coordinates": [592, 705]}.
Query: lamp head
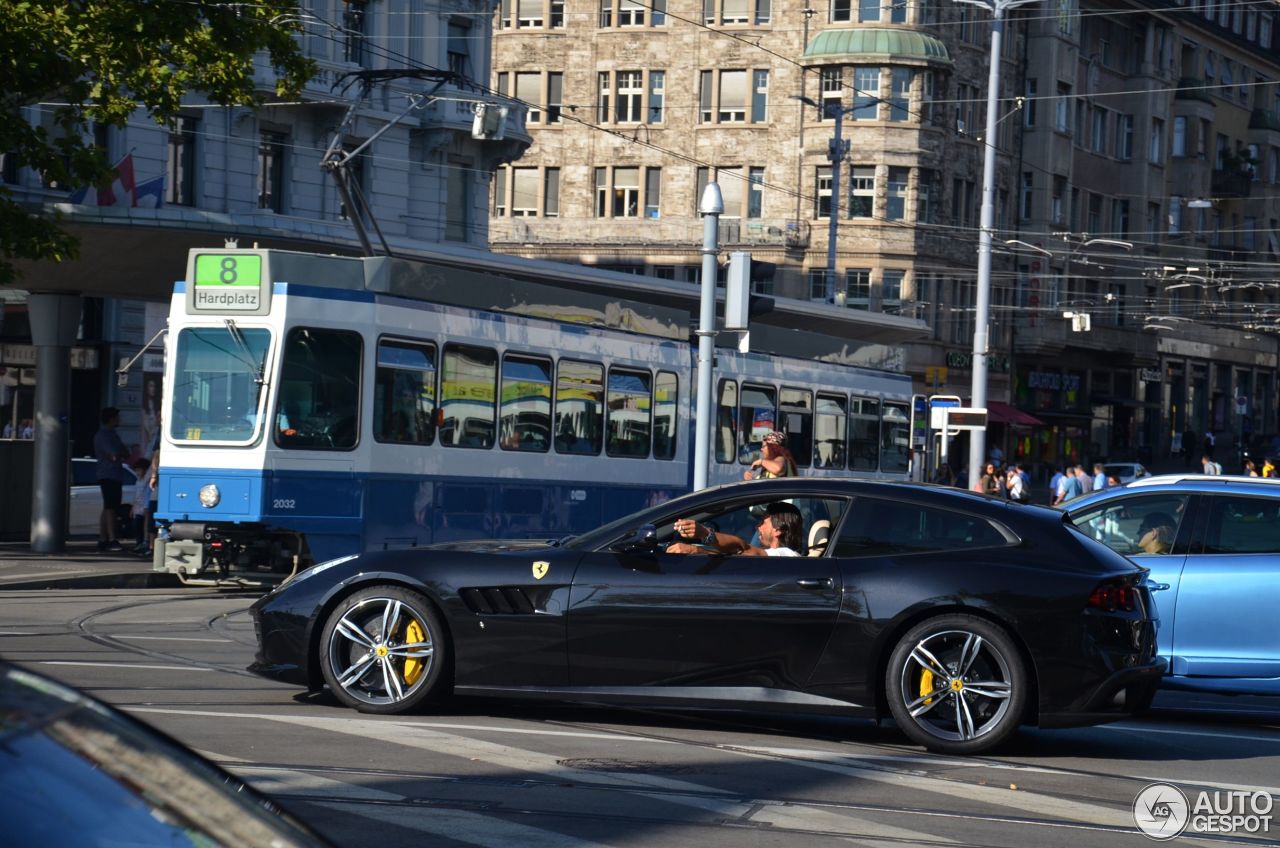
{"type": "Point", "coordinates": [712, 202]}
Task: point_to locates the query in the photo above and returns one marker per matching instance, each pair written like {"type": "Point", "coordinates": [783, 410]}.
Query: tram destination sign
{"type": "Point", "coordinates": [235, 281]}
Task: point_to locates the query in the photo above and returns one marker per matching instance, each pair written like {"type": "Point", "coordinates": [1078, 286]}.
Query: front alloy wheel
{"type": "Point", "coordinates": [382, 650]}
{"type": "Point", "coordinates": [956, 684]}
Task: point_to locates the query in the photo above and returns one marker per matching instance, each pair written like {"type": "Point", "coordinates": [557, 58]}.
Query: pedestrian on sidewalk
{"type": "Point", "coordinates": [110, 451]}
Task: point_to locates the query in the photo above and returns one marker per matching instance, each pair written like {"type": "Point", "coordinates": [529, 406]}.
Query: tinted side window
{"type": "Point", "coordinates": [797, 423]}
{"type": "Point", "coordinates": [525, 423]}
{"type": "Point", "coordinates": [758, 416]}
{"type": "Point", "coordinates": [467, 381]}
{"type": "Point", "coordinates": [1241, 525]}
{"type": "Point", "coordinates": [627, 405]}
{"type": "Point", "coordinates": [579, 407]}
{"type": "Point", "coordinates": [1145, 524]}
{"type": "Point", "coordinates": [895, 437]}
{"type": "Point", "coordinates": [319, 390]}
{"type": "Point", "coordinates": [879, 527]}
{"type": "Point", "coordinates": [404, 392]}
{"type": "Point", "coordinates": [864, 434]}
{"type": "Point", "coordinates": [829, 431]}
{"type": "Point", "coordinates": [665, 395]}
{"type": "Point", "coordinates": [727, 422]}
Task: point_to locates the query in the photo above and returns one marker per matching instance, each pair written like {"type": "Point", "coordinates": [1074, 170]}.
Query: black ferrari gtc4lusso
{"type": "Point", "coordinates": [960, 616]}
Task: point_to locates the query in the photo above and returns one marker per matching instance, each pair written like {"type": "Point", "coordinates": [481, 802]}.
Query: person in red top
{"type": "Point", "coordinates": [775, 460]}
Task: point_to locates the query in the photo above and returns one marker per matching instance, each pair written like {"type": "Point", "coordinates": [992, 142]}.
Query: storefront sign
{"type": "Point", "coordinates": [84, 358]}
{"type": "Point", "coordinates": [1053, 381]}
{"type": "Point", "coordinates": [961, 359]}
{"type": "Point", "coordinates": [1150, 375]}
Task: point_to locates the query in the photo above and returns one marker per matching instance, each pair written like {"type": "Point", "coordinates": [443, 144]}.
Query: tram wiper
{"type": "Point", "coordinates": [247, 360]}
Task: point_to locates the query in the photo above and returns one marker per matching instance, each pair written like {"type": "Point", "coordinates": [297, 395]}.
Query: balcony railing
{"type": "Point", "coordinates": [1231, 183]}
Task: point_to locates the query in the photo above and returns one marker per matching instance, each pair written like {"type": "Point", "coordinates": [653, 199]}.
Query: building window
{"type": "Point", "coordinates": [755, 191]}
{"type": "Point", "coordinates": [652, 192]}
{"type": "Point", "coordinates": [621, 97]}
{"type": "Point", "coordinates": [1056, 212]}
{"type": "Point", "coordinates": [723, 94]}
{"type": "Point", "coordinates": [529, 91]}
{"type": "Point", "coordinates": [532, 14]}
{"type": "Point", "coordinates": [868, 11]}
{"type": "Point", "coordinates": [736, 11]}
{"type": "Point", "coordinates": [1027, 207]}
{"type": "Point", "coordinates": [1157, 140]}
{"type": "Point", "coordinates": [271, 148]}
{"type": "Point", "coordinates": [832, 92]}
{"type": "Point", "coordinates": [896, 194]}
{"type": "Point", "coordinates": [822, 194]}
{"type": "Point", "coordinates": [1179, 137]}
{"type": "Point", "coordinates": [457, 201]}
{"type": "Point", "coordinates": [619, 195]}
{"type": "Point", "coordinates": [1062, 109]}
{"type": "Point", "coordinates": [1120, 217]}
{"type": "Point", "coordinates": [551, 193]}
{"type": "Point", "coordinates": [732, 97]}
{"type": "Point", "coordinates": [626, 192]}
{"type": "Point", "coordinates": [354, 20]}
{"type": "Point", "coordinates": [1124, 137]}
{"type": "Point", "coordinates": [657, 94]}
{"type": "Point", "coordinates": [866, 92]}
{"type": "Point", "coordinates": [524, 192]}
{"type": "Point", "coordinates": [862, 191]}
{"type": "Point", "coordinates": [630, 98]}
{"type": "Point", "coordinates": [459, 49]}
{"type": "Point", "coordinates": [759, 96]}
{"type": "Point", "coordinates": [500, 192]}
{"type": "Point", "coordinates": [891, 290]}
{"type": "Point", "coordinates": [1094, 220]}
{"type": "Point", "coordinates": [841, 11]}
{"type": "Point", "coordinates": [1098, 130]}
{"type": "Point", "coordinates": [900, 93]}
{"type": "Point", "coordinates": [555, 96]}
{"type": "Point", "coordinates": [925, 178]}
{"type": "Point", "coordinates": [180, 176]}
{"type": "Point", "coordinates": [9, 168]}
{"type": "Point", "coordinates": [857, 288]}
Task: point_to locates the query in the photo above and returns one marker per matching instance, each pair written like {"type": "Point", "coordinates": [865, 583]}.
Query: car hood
{"type": "Point", "coordinates": [492, 545]}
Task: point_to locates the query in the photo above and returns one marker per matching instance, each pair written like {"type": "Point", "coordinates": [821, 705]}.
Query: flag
{"type": "Point", "coordinates": [150, 195]}
{"type": "Point", "coordinates": [119, 192]}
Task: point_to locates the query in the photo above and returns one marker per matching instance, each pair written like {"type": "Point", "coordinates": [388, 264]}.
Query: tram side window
{"type": "Point", "coordinates": [796, 412]}
{"type": "Point", "coordinates": [468, 377]}
{"type": "Point", "coordinates": [665, 395]}
{"type": "Point", "coordinates": [525, 423]}
{"type": "Point", "coordinates": [727, 422]}
{"type": "Point", "coordinates": [829, 429]}
{"type": "Point", "coordinates": [218, 387]}
{"type": "Point", "coordinates": [864, 434]}
{"type": "Point", "coordinates": [404, 393]}
{"type": "Point", "coordinates": [319, 390]}
{"type": "Point", "coordinates": [895, 437]}
{"type": "Point", "coordinates": [579, 407]}
{"type": "Point", "coordinates": [628, 405]}
{"type": "Point", "coordinates": [757, 416]}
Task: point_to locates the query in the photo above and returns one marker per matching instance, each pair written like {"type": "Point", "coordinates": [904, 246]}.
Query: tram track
{"type": "Point", "coordinates": [868, 759]}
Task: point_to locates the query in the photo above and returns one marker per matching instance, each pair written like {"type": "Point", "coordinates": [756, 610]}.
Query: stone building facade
{"type": "Point", "coordinates": [1110, 123]}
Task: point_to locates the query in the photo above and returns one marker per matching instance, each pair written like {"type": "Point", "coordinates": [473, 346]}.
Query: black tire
{"type": "Point", "coordinates": [384, 672]}
{"type": "Point", "coordinates": [953, 720]}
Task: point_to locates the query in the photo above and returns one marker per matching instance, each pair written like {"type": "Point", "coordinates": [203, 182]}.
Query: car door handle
{"type": "Point", "coordinates": [1157, 587]}
{"type": "Point", "coordinates": [815, 582]}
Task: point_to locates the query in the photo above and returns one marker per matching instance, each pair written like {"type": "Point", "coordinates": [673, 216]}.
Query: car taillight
{"type": "Point", "coordinates": [1110, 597]}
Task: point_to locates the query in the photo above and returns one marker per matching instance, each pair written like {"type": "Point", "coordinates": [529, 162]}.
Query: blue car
{"type": "Point", "coordinates": [1212, 544]}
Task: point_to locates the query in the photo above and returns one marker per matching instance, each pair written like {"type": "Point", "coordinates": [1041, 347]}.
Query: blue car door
{"type": "Point", "coordinates": [1230, 591]}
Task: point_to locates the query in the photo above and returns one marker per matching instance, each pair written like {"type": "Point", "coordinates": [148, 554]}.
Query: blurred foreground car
{"type": "Point", "coordinates": [959, 615]}
{"type": "Point", "coordinates": [1213, 546]}
{"type": "Point", "coordinates": [74, 771]}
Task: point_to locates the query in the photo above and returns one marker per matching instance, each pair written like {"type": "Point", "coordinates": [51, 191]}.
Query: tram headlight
{"type": "Point", "coordinates": [210, 496]}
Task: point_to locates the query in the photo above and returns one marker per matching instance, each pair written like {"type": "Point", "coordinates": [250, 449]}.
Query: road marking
{"type": "Point", "coordinates": [277, 781]}
{"type": "Point", "coordinates": [488, 831]}
{"type": "Point", "coordinates": [126, 665]}
{"type": "Point", "coordinates": [166, 638]}
{"type": "Point", "coordinates": [18, 633]}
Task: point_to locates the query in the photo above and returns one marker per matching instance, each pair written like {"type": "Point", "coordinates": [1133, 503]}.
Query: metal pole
{"type": "Point", "coordinates": [978, 391]}
{"type": "Point", "coordinates": [54, 319]}
{"type": "Point", "coordinates": [835, 154]}
{"type": "Point", "coordinates": [711, 207]}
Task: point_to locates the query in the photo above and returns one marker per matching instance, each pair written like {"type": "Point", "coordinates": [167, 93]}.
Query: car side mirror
{"type": "Point", "coordinates": [643, 540]}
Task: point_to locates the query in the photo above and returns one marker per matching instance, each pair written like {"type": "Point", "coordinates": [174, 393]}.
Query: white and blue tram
{"type": "Point", "coordinates": [314, 408]}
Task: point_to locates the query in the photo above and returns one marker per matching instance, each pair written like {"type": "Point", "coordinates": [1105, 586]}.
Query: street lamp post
{"type": "Point", "coordinates": [710, 207]}
{"type": "Point", "coordinates": [978, 391]}
{"type": "Point", "coordinates": [837, 149]}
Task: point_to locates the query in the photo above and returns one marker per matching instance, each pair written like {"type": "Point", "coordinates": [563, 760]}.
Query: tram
{"type": "Point", "coordinates": [319, 406]}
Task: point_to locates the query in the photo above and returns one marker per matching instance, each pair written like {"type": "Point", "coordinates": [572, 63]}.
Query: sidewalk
{"type": "Point", "coordinates": [80, 566]}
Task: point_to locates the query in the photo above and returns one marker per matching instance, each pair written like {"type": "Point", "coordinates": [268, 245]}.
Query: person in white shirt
{"type": "Point", "coordinates": [780, 531]}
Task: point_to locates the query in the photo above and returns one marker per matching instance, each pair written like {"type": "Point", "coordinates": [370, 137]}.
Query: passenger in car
{"type": "Point", "coordinates": [780, 528]}
{"type": "Point", "coordinates": [1156, 533]}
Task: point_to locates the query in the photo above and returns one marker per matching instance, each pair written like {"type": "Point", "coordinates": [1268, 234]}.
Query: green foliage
{"type": "Point", "coordinates": [102, 60]}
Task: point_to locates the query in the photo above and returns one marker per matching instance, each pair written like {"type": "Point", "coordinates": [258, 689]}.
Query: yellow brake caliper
{"type": "Point", "coordinates": [926, 684]}
{"type": "Point", "coordinates": [413, 668]}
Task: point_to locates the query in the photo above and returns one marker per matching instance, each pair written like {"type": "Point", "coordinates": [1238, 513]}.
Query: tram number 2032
{"type": "Point", "coordinates": [284, 503]}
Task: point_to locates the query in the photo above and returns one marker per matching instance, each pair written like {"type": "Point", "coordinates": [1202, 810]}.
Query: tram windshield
{"type": "Point", "coordinates": [218, 383]}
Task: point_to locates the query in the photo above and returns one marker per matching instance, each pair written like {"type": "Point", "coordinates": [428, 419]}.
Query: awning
{"type": "Point", "coordinates": [1003, 413]}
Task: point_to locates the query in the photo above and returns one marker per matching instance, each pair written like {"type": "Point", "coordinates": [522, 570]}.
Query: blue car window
{"type": "Point", "coordinates": [1240, 525]}
{"type": "Point", "coordinates": [1137, 525]}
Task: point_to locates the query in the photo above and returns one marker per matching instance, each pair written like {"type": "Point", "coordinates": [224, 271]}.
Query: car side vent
{"type": "Point", "coordinates": [497, 600]}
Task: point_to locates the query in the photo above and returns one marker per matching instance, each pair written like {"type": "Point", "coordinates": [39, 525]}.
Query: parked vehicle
{"type": "Point", "coordinates": [86, 499]}
{"type": "Point", "coordinates": [1213, 547]}
{"type": "Point", "coordinates": [961, 616]}
{"type": "Point", "coordinates": [75, 771]}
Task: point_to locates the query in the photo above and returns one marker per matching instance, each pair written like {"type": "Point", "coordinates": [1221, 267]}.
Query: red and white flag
{"type": "Point", "coordinates": [122, 190]}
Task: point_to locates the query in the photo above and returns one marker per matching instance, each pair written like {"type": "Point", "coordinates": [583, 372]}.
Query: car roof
{"type": "Point", "coordinates": [1206, 479]}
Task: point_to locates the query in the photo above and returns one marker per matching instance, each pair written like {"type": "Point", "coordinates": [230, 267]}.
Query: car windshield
{"type": "Point", "coordinates": [613, 529]}
{"type": "Point", "coordinates": [218, 383]}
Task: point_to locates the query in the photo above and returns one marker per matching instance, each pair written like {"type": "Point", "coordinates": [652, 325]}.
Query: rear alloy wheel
{"type": "Point", "coordinates": [956, 684]}
{"type": "Point", "coordinates": [383, 650]}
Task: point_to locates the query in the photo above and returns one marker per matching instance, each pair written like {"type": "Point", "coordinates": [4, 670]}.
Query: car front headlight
{"type": "Point", "coordinates": [210, 496]}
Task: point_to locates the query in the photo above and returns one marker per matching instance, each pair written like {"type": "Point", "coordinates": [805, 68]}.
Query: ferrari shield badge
{"type": "Point", "coordinates": [540, 569]}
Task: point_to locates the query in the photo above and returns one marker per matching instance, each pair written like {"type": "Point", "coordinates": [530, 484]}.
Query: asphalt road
{"type": "Point", "coordinates": [488, 773]}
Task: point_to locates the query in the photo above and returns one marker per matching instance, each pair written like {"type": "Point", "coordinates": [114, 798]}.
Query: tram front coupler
{"type": "Point", "coordinates": [235, 555]}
